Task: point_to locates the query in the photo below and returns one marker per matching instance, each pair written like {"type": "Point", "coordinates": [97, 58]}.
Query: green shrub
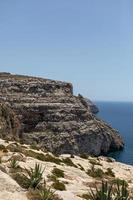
{"type": "Point", "coordinates": [50, 158]}
{"type": "Point", "coordinates": [52, 178]}
{"type": "Point", "coordinates": [35, 176]}
{"type": "Point", "coordinates": [43, 194]}
{"type": "Point", "coordinates": [118, 181]}
{"type": "Point", "coordinates": [122, 191]}
{"type": "Point", "coordinates": [58, 173]}
{"type": "Point", "coordinates": [15, 147]}
{"type": "Point", "coordinates": [21, 179]}
{"type": "Point", "coordinates": [33, 194]}
{"type": "Point", "coordinates": [95, 173]}
{"type": "Point", "coordinates": [109, 172]}
{"type": "Point", "coordinates": [43, 157]}
{"type": "Point", "coordinates": [103, 193]}
{"type": "Point", "coordinates": [39, 156]}
{"type": "Point", "coordinates": [85, 196]}
{"type": "Point", "coordinates": [68, 162]}
{"type": "Point", "coordinates": [14, 164]}
{"type": "Point", "coordinates": [57, 185]}
{"type": "Point", "coordinates": [94, 162]}
{"type": "Point", "coordinates": [47, 194]}
{"type": "Point", "coordinates": [107, 192]}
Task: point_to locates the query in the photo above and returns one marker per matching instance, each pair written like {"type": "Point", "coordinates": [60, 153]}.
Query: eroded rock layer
{"type": "Point", "coordinates": [49, 115]}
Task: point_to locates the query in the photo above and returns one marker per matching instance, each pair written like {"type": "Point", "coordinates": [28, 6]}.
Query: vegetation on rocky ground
{"type": "Point", "coordinates": [109, 192]}
{"type": "Point", "coordinates": [58, 172]}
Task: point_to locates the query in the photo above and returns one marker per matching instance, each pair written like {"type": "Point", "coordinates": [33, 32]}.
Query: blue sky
{"type": "Point", "coordinates": [86, 42]}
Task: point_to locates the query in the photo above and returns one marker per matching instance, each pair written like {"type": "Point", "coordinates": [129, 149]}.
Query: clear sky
{"type": "Point", "coordinates": [86, 42]}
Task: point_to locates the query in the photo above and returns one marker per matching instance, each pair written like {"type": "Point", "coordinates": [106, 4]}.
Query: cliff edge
{"type": "Point", "coordinates": [46, 113]}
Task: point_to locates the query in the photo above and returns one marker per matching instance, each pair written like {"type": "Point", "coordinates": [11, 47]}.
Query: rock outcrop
{"type": "Point", "coordinates": [9, 189]}
{"type": "Point", "coordinates": [46, 113]}
{"type": "Point", "coordinates": [94, 108]}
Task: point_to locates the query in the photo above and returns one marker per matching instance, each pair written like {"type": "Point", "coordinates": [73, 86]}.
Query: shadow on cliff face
{"type": "Point", "coordinates": [9, 123]}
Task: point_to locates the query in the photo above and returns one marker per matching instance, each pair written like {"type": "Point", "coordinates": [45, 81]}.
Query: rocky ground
{"type": "Point", "coordinates": [73, 172]}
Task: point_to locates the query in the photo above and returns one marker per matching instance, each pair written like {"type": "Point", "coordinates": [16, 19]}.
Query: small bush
{"type": "Point", "coordinates": [84, 156]}
{"type": "Point", "coordinates": [33, 194]}
{"type": "Point", "coordinates": [52, 178]}
{"type": "Point", "coordinates": [21, 179]}
{"type": "Point", "coordinates": [68, 162]}
{"type": "Point", "coordinates": [43, 194]}
{"type": "Point", "coordinates": [47, 194]}
{"type": "Point", "coordinates": [39, 156]}
{"type": "Point", "coordinates": [95, 173]}
{"type": "Point", "coordinates": [110, 172]}
{"type": "Point", "coordinates": [94, 162]}
{"type": "Point", "coordinates": [50, 158]}
{"type": "Point", "coordinates": [58, 173]}
{"type": "Point", "coordinates": [42, 157]}
{"type": "Point", "coordinates": [15, 147]}
{"type": "Point", "coordinates": [86, 196]}
{"type": "Point", "coordinates": [57, 185]}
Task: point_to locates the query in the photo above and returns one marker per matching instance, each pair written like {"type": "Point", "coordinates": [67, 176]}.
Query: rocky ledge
{"type": "Point", "coordinates": [46, 113]}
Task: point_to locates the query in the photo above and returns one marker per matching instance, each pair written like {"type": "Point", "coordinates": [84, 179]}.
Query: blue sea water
{"type": "Point", "coordinates": [120, 116]}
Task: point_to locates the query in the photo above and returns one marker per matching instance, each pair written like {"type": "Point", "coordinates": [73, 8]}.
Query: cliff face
{"type": "Point", "coordinates": [48, 114]}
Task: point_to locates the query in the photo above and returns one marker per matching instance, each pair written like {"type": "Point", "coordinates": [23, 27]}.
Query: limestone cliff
{"type": "Point", "coordinates": [47, 113]}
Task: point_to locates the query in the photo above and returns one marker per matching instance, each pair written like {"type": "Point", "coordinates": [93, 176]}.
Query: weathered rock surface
{"type": "Point", "coordinates": [93, 107]}
{"type": "Point", "coordinates": [46, 112]}
{"type": "Point", "coordinates": [76, 178]}
{"type": "Point", "coordinates": [9, 189]}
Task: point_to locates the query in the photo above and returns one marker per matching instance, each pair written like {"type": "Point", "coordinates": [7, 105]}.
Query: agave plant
{"type": "Point", "coordinates": [110, 192]}
{"type": "Point", "coordinates": [35, 176]}
{"type": "Point", "coordinates": [47, 194]}
{"type": "Point", "coordinates": [122, 191]}
{"type": "Point", "coordinates": [104, 193]}
{"type": "Point", "coordinates": [14, 163]}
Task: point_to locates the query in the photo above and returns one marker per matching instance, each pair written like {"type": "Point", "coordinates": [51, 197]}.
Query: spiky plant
{"type": "Point", "coordinates": [118, 191]}
{"type": "Point", "coordinates": [103, 193]}
{"type": "Point", "coordinates": [14, 164]}
{"type": "Point", "coordinates": [122, 191]}
{"type": "Point", "coordinates": [35, 176]}
{"type": "Point", "coordinates": [47, 194]}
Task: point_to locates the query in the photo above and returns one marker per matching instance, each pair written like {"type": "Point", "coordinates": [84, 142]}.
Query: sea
{"type": "Point", "coordinates": [120, 116]}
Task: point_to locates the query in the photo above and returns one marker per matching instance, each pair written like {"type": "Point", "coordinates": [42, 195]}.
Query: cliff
{"type": "Point", "coordinates": [46, 113]}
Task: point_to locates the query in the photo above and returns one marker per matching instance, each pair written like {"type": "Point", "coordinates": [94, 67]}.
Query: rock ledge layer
{"type": "Point", "coordinates": [46, 113]}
